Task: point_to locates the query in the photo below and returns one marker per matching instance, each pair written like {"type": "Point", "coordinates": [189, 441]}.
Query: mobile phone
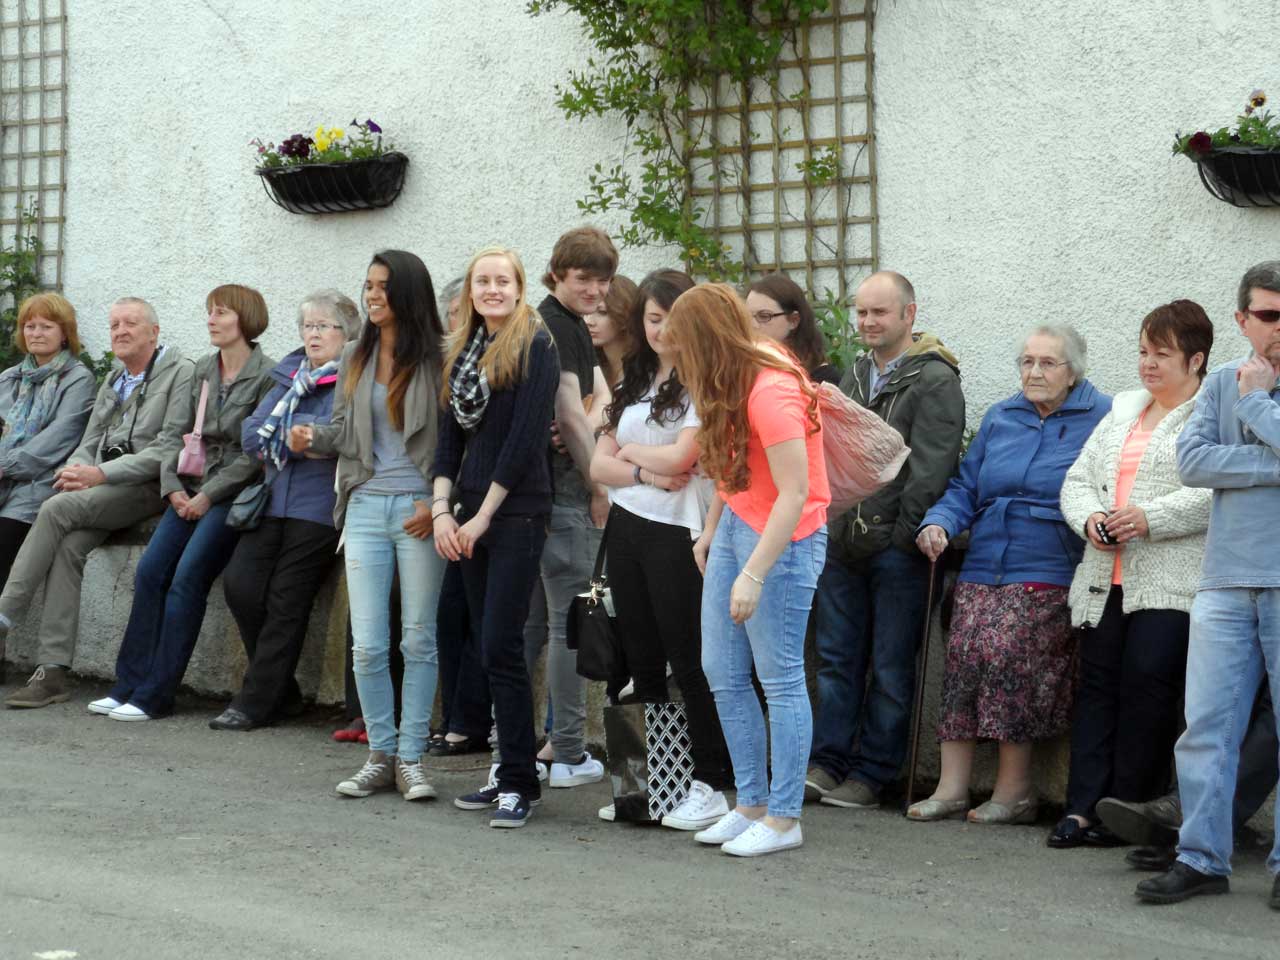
{"type": "Point", "coordinates": [1101, 529]}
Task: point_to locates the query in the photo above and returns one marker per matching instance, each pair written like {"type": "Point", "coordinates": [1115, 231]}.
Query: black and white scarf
{"type": "Point", "coordinates": [468, 386]}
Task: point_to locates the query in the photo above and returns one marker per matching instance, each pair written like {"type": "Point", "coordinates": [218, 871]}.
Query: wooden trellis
{"type": "Point", "coordinates": [33, 122]}
{"type": "Point", "coordinates": [785, 167]}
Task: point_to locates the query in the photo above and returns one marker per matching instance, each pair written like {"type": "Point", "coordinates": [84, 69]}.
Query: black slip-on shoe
{"type": "Point", "coordinates": [1180, 882]}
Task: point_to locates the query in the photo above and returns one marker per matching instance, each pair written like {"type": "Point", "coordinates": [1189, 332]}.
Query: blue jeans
{"type": "Point", "coordinates": [170, 593]}
{"type": "Point", "coordinates": [1235, 641]}
{"type": "Point", "coordinates": [376, 545]}
{"type": "Point", "coordinates": [868, 615]}
{"type": "Point", "coordinates": [774, 639]}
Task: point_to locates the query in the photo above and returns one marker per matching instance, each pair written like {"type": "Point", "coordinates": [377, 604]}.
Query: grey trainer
{"type": "Point", "coordinates": [47, 685]}
{"type": "Point", "coordinates": [853, 794]}
{"type": "Point", "coordinates": [378, 773]}
{"type": "Point", "coordinates": [818, 783]}
{"type": "Point", "coordinates": [411, 781]}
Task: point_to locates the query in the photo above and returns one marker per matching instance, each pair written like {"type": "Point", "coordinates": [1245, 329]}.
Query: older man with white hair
{"type": "Point", "coordinates": [110, 482]}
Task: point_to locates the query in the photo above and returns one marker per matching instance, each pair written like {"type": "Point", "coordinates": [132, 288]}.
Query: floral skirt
{"type": "Point", "coordinates": [1011, 664]}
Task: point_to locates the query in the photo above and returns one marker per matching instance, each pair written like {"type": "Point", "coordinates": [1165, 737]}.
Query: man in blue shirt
{"type": "Point", "coordinates": [1232, 444]}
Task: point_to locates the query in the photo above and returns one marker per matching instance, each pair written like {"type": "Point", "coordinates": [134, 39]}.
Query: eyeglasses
{"type": "Point", "coordinates": [761, 317]}
{"type": "Point", "coordinates": [319, 327]}
{"type": "Point", "coordinates": [1266, 316]}
{"type": "Point", "coordinates": [1048, 367]}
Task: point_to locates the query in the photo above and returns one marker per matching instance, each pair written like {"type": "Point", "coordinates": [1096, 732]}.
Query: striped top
{"type": "Point", "coordinates": [1135, 445]}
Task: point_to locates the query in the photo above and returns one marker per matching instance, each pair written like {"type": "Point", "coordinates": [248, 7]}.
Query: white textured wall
{"type": "Point", "coordinates": [1023, 155]}
{"type": "Point", "coordinates": [1025, 171]}
{"type": "Point", "coordinates": [162, 201]}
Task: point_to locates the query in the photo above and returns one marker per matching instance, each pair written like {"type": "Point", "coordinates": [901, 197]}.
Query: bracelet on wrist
{"type": "Point", "coordinates": [439, 499]}
{"type": "Point", "coordinates": [751, 576]}
{"type": "Point", "coordinates": [437, 516]}
{"type": "Point", "coordinates": [636, 476]}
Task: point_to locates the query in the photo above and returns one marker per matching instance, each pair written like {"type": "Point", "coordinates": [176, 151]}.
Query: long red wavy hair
{"type": "Point", "coordinates": [719, 354]}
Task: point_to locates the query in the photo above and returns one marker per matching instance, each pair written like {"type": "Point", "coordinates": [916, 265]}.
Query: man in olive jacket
{"type": "Point", "coordinates": [110, 482]}
{"type": "Point", "coordinates": [870, 604]}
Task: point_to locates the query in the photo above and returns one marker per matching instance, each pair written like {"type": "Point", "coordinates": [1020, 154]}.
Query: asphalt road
{"type": "Point", "coordinates": [149, 841]}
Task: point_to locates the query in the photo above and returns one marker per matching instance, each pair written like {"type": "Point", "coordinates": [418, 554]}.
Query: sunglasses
{"type": "Point", "coordinates": [1266, 316]}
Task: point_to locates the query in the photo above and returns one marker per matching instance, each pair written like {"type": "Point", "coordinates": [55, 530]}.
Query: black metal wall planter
{"type": "Point", "coordinates": [367, 184]}
{"type": "Point", "coordinates": [1242, 176]}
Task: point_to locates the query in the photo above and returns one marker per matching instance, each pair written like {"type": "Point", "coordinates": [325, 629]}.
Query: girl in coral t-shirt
{"type": "Point", "coordinates": [762, 548]}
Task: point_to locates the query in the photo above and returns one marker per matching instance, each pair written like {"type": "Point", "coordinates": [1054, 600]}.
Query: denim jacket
{"type": "Point", "coordinates": [303, 488]}
{"type": "Point", "coordinates": [1232, 444]}
{"type": "Point", "coordinates": [1006, 493]}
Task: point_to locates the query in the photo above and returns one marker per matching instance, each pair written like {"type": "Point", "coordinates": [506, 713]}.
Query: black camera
{"type": "Point", "coordinates": [116, 451]}
{"type": "Point", "coordinates": [1105, 537]}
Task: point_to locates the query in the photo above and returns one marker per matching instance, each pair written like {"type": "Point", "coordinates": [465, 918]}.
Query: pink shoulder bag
{"type": "Point", "coordinates": [191, 459]}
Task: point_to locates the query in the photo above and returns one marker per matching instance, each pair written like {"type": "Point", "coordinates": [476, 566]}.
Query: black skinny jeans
{"type": "Point", "coordinates": [498, 578]}
{"type": "Point", "coordinates": [271, 584]}
{"type": "Point", "coordinates": [657, 597]}
{"type": "Point", "coordinates": [464, 692]}
{"type": "Point", "coordinates": [1128, 706]}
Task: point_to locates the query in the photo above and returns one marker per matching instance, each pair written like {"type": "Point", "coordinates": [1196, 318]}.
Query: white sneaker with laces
{"type": "Point", "coordinates": [104, 706]}
{"type": "Point", "coordinates": [590, 770]}
{"type": "Point", "coordinates": [699, 810]}
{"type": "Point", "coordinates": [411, 781]}
{"type": "Point", "coordinates": [761, 839]}
{"type": "Point", "coordinates": [725, 829]}
{"type": "Point", "coordinates": [609, 813]}
{"type": "Point", "coordinates": [128, 711]}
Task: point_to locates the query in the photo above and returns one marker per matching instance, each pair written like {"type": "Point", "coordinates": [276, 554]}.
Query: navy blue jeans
{"type": "Point", "coordinates": [498, 578]}
{"type": "Point", "coordinates": [170, 592]}
{"type": "Point", "coordinates": [464, 689]}
{"type": "Point", "coordinates": [868, 617]}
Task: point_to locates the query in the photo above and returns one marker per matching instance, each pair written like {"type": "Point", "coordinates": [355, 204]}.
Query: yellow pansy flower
{"type": "Point", "coordinates": [335, 133]}
{"type": "Point", "coordinates": [322, 141]}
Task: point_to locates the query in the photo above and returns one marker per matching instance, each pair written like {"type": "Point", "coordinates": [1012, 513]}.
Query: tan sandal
{"type": "Point", "coordinates": [924, 810]}
{"type": "Point", "coordinates": [1024, 811]}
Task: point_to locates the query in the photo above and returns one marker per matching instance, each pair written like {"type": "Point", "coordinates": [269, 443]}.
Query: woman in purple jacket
{"type": "Point", "coordinates": [1011, 651]}
{"type": "Point", "coordinates": [277, 570]}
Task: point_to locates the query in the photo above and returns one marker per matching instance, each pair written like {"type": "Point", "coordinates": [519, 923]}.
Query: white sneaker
{"type": "Point", "coordinates": [699, 810]}
{"type": "Point", "coordinates": [105, 705]}
{"type": "Point", "coordinates": [128, 711]}
{"type": "Point", "coordinates": [590, 770]}
{"type": "Point", "coordinates": [608, 813]}
{"type": "Point", "coordinates": [543, 773]}
{"type": "Point", "coordinates": [760, 839]}
{"type": "Point", "coordinates": [732, 824]}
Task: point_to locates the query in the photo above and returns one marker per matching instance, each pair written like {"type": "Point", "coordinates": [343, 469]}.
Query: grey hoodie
{"type": "Point", "coordinates": [161, 420]}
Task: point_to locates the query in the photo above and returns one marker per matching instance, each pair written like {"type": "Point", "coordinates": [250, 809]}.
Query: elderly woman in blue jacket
{"type": "Point", "coordinates": [1011, 652]}
{"type": "Point", "coordinates": [277, 570]}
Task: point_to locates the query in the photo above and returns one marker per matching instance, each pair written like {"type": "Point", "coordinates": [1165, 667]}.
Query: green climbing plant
{"type": "Point", "coordinates": [648, 57]}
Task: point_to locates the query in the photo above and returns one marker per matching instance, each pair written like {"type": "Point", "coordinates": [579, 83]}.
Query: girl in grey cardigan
{"type": "Point", "coordinates": [1133, 589]}
{"type": "Point", "coordinates": [44, 404]}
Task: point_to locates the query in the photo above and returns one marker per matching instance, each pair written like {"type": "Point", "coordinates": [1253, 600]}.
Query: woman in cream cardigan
{"type": "Point", "coordinates": [1132, 591]}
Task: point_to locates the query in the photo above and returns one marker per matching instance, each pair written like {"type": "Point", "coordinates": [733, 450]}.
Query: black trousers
{"type": "Point", "coordinates": [1128, 706]}
{"type": "Point", "coordinates": [464, 692]}
{"type": "Point", "coordinates": [12, 533]}
{"type": "Point", "coordinates": [498, 578]}
{"type": "Point", "coordinates": [657, 597]}
{"type": "Point", "coordinates": [270, 585]}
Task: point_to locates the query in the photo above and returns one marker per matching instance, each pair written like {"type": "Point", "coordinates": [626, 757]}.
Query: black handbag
{"type": "Point", "coordinates": [590, 629]}
{"type": "Point", "coordinates": [249, 506]}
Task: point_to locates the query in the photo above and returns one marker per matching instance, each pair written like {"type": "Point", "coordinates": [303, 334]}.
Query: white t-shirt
{"type": "Point", "coordinates": [685, 508]}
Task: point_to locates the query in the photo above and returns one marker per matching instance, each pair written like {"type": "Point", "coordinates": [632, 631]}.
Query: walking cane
{"type": "Point", "coordinates": [918, 706]}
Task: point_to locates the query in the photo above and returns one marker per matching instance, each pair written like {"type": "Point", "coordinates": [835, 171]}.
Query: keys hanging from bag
{"type": "Point", "coordinates": [191, 460]}
{"type": "Point", "coordinates": [590, 629]}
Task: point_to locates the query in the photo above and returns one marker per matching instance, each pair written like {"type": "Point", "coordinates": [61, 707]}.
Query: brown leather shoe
{"type": "Point", "coordinates": [47, 685]}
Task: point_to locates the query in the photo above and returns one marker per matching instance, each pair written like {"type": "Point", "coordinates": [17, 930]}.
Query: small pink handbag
{"type": "Point", "coordinates": [191, 459]}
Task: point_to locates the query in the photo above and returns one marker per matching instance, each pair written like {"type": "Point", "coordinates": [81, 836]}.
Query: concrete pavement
{"type": "Point", "coordinates": [149, 841]}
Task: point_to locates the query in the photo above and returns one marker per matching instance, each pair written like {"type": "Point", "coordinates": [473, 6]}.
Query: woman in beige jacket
{"type": "Point", "coordinates": [1132, 591]}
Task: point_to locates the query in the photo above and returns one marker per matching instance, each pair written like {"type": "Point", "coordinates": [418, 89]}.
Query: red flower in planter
{"type": "Point", "coordinates": [1200, 142]}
